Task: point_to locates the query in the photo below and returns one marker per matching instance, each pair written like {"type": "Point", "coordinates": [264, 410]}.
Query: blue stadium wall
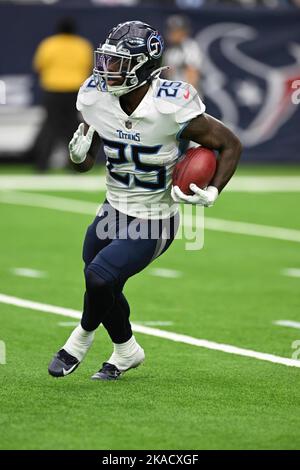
{"type": "Point", "coordinates": [250, 69]}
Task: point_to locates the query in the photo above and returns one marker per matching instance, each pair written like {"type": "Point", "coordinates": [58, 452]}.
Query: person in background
{"type": "Point", "coordinates": [62, 61]}
{"type": "Point", "coordinates": [183, 52]}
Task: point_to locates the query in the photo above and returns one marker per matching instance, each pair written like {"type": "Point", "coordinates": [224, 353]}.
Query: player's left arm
{"type": "Point", "coordinates": [213, 134]}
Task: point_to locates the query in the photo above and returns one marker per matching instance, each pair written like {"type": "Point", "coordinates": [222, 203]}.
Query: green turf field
{"type": "Point", "coordinates": [184, 397]}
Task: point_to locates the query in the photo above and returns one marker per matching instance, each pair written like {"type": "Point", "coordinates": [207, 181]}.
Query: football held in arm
{"type": "Point", "coordinates": [142, 121]}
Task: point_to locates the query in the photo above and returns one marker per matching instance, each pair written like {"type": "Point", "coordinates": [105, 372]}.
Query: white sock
{"type": "Point", "coordinates": [126, 349]}
{"type": "Point", "coordinates": [121, 357]}
{"type": "Point", "coordinates": [79, 342]}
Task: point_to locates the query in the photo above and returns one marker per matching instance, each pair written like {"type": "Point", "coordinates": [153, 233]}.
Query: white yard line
{"type": "Point", "coordinates": [176, 337]}
{"type": "Point", "coordinates": [52, 182]}
{"type": "Point", "coordinates": [48, 202]}
{"type": "Point", "coordinates": [28, 272]}
{"type": "Point", "coordinates": [264, 184]}
{"type": "Point", "coordinates": [257, 230]}
{"type": "Point", "coordinates": [292, 272]}
{"type": "Point", "coordinates": [288, 323]}
{"type": "Point", "coordinates": [66, 312]}
{"type": "Point", "coordinates": [96, 183]}
{"type": "Point", "coordinates": [89, 208]}
{"type": "Point", "coordinates": [167, 273]}
{"type": "Point", "coordinates": [155, 323]}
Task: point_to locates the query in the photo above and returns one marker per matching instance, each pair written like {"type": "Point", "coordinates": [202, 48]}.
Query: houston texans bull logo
{"type": "Point", "coordinates": [256, 99]}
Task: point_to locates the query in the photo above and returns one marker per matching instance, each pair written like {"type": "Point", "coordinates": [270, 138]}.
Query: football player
{"type": "Point", "coordinates": [141, 120]}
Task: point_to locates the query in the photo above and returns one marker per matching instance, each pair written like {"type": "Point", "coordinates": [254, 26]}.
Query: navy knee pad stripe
{"type": "Point", "coordinates": [103, 272]}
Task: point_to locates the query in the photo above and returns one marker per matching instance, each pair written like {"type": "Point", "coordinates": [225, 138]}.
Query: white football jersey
{"type": "Point", "coordinates": [143, 148]}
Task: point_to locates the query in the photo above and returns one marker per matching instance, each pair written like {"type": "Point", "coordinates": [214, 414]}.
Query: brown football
{"type": "Point", "coordinates": [198, 166]}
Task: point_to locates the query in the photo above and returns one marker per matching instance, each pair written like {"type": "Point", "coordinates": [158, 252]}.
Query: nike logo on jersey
{"type": "Point", "coordinates": [128, 136]}
{"type": "Point", "coordinates": [187, 94]}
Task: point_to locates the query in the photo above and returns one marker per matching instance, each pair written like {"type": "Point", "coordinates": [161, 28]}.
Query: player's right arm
{"type": "Point", "coordinates": [84, 147]}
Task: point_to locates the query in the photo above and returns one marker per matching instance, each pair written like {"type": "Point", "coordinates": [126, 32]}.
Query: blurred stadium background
{"type": "Point", "coordinates": [241, 290]}
{"type": "Point", "coordinates": [246, 72]}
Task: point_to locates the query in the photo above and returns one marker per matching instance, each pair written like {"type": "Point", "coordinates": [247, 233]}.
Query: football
{"type": "Point", "coordinates": [197, 166]}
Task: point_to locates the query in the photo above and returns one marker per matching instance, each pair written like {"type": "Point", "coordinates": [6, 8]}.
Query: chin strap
{"type": "Point", "coordinates": [157, 72]}
{"type": "Point", "coordinates": [153, 75]}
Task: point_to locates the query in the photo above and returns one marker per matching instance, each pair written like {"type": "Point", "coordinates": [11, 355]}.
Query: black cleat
{"type": "Point", "coordinates": [108, 372]}
{"type": "Point", "coordinates": [62, 364]}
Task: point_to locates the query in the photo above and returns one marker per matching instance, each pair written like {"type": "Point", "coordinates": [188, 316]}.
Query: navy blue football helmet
{"type": "Point", "coordinates": [130, 57]}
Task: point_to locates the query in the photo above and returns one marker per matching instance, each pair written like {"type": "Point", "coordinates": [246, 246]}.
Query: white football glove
{"type": "Point", "coordinates": [80, 144]}
{"type": "Point", "coordinates": [202, 197]}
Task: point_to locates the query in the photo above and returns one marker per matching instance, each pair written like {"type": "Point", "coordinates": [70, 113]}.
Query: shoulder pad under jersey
{"type": "Point", "coordinates": [169, 96]}
{"type": "Point", "coordinates": [88, 94]}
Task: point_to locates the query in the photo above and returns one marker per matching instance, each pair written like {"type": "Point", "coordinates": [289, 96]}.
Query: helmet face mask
{"type": "Point", "coordinates": [129, 58]}
{"type": "Point", "coordinates": [114, 71]}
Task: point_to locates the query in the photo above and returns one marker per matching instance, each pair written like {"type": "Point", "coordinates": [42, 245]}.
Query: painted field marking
{"type": "Point", "coordinates": [74, 182]}
{"type": "Point", "coordinates": [245, 228]}
{"type": "Point", "coordinates": [28, 272]}
{"type": "Point", "coordinates": [167, 273]}
{"type": "Point", "coordinates": [2, 352]}
{"type": "Point", "coordinates": [97, 183]}
{"type": "Point", "coordinates": [148, 323]}
{"type": "Point", "coordinates": [292, 272]}
{"type": "Point", "coordinates": [49, 202]}
{"type": "Point", "coordinates": [176, 337]}
{"type": "Point", "coordinates": [288, 323]}
{"type": "Point", "coordinates": [17, 302]}
{"type": "Point", "coordinates": [68, 323]}
{"type": "Point", "coordinates": [155, 323]}
{"type": "Point", "coordinates": [264, 184]}
{"type": "Point", "coordinates": [89, 208]}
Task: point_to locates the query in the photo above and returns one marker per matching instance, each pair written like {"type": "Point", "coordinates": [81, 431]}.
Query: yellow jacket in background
{"type": "Point", "coordinates": [63, 62]}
